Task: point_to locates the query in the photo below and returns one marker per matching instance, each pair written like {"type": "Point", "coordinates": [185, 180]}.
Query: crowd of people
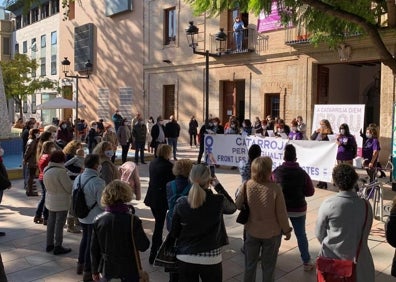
{"type": "Point", "coordinates": [188, 197]}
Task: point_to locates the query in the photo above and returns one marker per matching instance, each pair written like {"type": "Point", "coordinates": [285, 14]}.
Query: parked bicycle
{"type": "Point", "coordinates": [373, 191]}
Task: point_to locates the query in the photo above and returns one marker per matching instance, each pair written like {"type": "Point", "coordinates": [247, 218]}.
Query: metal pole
{"type": "Point", "coordinates": [76, 121]}
{"type": "Point", "coordinates": [207, 87]}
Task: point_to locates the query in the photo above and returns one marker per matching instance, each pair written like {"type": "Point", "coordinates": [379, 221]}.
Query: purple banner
{"type": "Point", "coordinates": [269, 22]}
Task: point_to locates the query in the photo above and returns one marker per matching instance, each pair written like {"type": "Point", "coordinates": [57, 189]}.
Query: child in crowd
{"type": "Point", "coordinates": [76, 164]}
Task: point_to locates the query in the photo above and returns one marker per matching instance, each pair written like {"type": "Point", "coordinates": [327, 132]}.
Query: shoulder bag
{"type": "Point", "coordinates": [243, 215]}
{"type": "Point", "coordinates": [337, 270]}
{"type": "Point", "coordinates": [143, 275]}
{"type": "Point", "coordinates": [166, 256]}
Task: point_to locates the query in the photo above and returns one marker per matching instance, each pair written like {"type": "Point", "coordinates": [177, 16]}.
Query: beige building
{"type": "Point", "coordinates": [111, 37]}
{"type": "Point", "coordinates": [142, 62]}
{"type": "Point", "coordinates": [35, 33]}
{"type": "Point", "coordinates": [278, 72]}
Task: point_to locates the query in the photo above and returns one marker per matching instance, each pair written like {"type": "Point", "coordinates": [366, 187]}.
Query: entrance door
{"type": "Point", "coordinates": [323, 85]}
{"type": "Point", "coordinates": [233, 100]}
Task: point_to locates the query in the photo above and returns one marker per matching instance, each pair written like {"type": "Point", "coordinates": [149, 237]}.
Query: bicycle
{"type": "Point", "coordinates": [373, 191]}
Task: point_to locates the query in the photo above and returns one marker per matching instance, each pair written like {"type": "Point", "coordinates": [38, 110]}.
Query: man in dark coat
{"type": "Point", "coordinates": [158, 134]}
{"type": "Point", "coordinates": [172, 131]}
{"type": "Point", "coordinates": [139, 134]}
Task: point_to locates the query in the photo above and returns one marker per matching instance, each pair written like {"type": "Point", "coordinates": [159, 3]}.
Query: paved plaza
{"type": "Point", "coordinates": [25, 259]}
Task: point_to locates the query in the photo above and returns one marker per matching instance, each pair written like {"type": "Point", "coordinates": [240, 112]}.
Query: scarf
{"type": "Point", "coordinates": [118, 208]}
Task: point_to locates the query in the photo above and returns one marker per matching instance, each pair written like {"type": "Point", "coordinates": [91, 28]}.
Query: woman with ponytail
{"type": "Point", "coordinates": [199, 228]}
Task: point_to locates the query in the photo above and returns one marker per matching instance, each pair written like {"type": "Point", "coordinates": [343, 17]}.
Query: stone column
{"type": "Point", "coordinates": [5, 126]}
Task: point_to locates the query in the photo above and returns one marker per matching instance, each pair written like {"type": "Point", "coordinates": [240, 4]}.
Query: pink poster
{"type": "Point", "coordinates": [269, 22]}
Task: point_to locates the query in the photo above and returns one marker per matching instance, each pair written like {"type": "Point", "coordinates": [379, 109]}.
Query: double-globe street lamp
{"type": "Point", "coordinates": [221, 37]}
{"type": "Point", "coordinates": [65, 69]}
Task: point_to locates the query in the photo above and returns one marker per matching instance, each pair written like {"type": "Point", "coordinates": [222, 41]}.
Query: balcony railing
{"type": "Point", "coordinates": [252, 41]}
{"type": "Point", "coordinates": [296, 35]}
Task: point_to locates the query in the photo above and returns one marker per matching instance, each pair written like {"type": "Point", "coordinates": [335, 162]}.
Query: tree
{"type": "Point", "coordinates": [17, 84]}
{"type": "Point", "coordinates": [330, 21]}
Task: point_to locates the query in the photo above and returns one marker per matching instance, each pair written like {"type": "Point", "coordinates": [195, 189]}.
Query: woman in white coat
{"type": "Point", "coordinates": [57, 201]}
{"type": "Point", "coordinates": [340, 222]}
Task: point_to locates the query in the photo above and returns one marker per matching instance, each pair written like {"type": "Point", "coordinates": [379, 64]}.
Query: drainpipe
{"type": "Point", "coordinates": [284, 104]}
{"type": "Point", "coordinates": [250, 96]}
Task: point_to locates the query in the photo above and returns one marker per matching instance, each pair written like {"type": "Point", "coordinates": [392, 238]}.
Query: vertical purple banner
{"type": "Point", "coordinates": [269, 22]}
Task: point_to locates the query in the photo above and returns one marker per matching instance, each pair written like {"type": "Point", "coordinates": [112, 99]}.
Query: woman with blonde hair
{"type": "Point", "coordinates": [267, 221]}
{"type": "Point", "coordinates": [110, 136]}
{"type": "Point", "coordinates": [108, 171]}
{"type": "Point", "coordinates": [70, 151]}
{"type": "Point", "coordinates": [321, 134]}
{"type": "Point", "coordinates": [198, 226]}
{"type": "Point", "coordinates": [112, 250]}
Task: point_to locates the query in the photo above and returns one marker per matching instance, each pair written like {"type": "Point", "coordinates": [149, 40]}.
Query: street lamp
{"type": "Point", "coordinates": [221, 37]}
{"type": "Point", "coordinates": [65, 69]}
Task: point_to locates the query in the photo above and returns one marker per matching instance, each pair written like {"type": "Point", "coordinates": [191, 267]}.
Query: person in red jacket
{"type": "Point", "coordinates": [43, 160]}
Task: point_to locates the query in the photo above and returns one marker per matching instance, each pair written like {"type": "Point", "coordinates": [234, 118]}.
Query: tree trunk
{"type": "Point", "coordinates": [391, 8]}
{"type": "Point", "coordinates": [5, 126]}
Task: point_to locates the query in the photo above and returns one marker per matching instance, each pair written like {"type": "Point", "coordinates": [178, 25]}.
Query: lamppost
{"type": "Point", "coordinates": [65, 69]}
{"type": "Point", "coordinates": [221, 37]}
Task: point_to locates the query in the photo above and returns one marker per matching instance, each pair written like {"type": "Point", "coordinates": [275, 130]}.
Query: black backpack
{"type": "Point", "coordinates": [79, 204]}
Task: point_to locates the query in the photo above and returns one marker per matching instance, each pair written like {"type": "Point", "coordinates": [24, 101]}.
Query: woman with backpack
{"type": "Point", "coordinates": [178, 187]}
{"type": "Point", "coordinates": [174, 190]}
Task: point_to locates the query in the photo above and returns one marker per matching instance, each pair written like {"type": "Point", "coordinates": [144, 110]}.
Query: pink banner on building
{"type": "Point", "coordinates": [269, 22]}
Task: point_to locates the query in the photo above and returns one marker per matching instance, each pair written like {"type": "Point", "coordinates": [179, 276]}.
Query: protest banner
{"type": "Point", "coordinates": [353, 115]}
{"type": "Point", "coordinates": [316, 158]}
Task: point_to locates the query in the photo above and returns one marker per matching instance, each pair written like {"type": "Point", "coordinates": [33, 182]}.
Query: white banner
{"type": "Point", "coordinates": [353, 115]}
{"type": "Point", "coordinates": [317, 158]}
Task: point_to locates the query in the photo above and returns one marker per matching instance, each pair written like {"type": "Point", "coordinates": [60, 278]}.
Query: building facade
{"type": "Point", "coordinates": [278, 72]}
{"type": "Point", "coordinates": [36, 34]}
{"type": "Point", "coordinates": [115, 49]}
{"type": "Point", "coordinates": [142, 62]}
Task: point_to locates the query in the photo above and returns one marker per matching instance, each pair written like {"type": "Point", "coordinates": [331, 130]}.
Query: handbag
{"type": "Point", "coordinates": [337, 270]}
{"type": "Point", "coordinates": [243, 215]}
{"type": "Point", "coordinates": [166, 256]}
{"type": "Point", "coordinates": [143, 275]}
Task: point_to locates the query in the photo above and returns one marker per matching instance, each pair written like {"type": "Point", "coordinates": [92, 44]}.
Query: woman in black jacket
{"type": "Point", "coordinates": [112, 251]}
{"type": "Point", "coordinates": [160, 173]}
{"type": "Point", "coordinates": [199, 228]}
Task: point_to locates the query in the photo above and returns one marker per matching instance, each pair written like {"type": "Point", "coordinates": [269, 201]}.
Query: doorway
{"type": "Point", "coordinates": [352, 83]}
{"type": "Point", "coordinates": [233, 100]}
